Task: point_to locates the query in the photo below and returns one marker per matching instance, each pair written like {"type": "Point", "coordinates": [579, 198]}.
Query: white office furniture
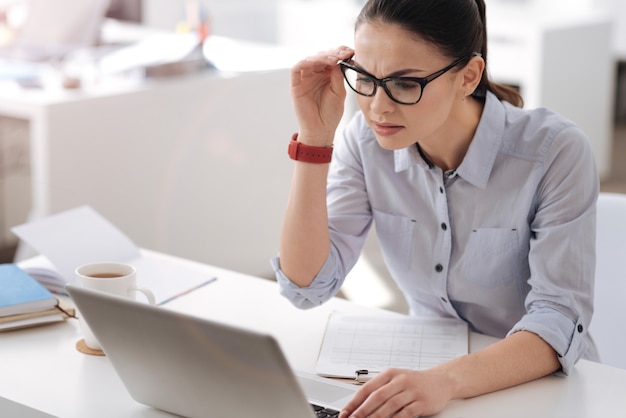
{"type": "Point", "coordinates": [610, 290]}
{"type": "Point", "coordinates": [194, 166]}
{"type": "Point", "coordinates": [43, 375]}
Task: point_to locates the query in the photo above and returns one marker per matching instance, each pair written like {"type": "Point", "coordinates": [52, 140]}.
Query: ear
{"type": "Point", "coordinates": [471, 75]}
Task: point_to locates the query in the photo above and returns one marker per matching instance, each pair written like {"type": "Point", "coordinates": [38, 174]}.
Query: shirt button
{"type": "Point", "coordinates": [444, 300]}
{"type": "Point", "coordinates": [580, 328]}
{"type": "Point", "coordinates": [438, 268]}
{"type": "Point", "coordinates": [444, 226]}
{"type": "Point", "coordinates": [440, 189]}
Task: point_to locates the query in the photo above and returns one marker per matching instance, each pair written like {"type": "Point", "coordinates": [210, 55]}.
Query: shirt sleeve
{"type": "Point", "coordinates": [559, 305]}
{"type": "Point", "coordinates": [325, 285]}
{"type": "Point", "coordinates": [349, 217]}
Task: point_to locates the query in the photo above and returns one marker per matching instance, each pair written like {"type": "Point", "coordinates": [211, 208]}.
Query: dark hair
{"type": "Point", "coordinates": [457, 28]}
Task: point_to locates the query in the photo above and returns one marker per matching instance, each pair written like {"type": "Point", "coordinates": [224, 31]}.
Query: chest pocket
{"type": "Point", "coordinates": [395, 234]}
{"type": "Point", "coordinates": [494, 256]}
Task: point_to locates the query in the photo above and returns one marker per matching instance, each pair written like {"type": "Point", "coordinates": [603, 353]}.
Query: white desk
{"type": "Point", "coordinates": [43, 375]}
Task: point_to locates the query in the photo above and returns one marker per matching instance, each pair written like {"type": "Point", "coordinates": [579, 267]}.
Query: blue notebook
{"type": "Point", "coordinates": [20, 293]}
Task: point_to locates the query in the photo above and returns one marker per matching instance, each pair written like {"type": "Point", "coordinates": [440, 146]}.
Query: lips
{"type": "Point", "coordinates": [386, 129]}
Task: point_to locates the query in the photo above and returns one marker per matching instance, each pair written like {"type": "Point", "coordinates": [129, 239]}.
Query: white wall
{"type": "Point", "coordinates": [618, 11]}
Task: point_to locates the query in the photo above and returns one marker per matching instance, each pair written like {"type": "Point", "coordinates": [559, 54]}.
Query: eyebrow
{"type": "Point", "coordinates": [398, 73]}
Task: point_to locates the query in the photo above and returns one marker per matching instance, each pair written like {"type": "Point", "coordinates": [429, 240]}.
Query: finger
{"type": "Point", "coordinates": [320, 68]}
{"type": "Point", "coordinates": [371, 396]}
{"type": "Point", "coordinates": [306, 71]}
{"type": "Point", "coordinates": [384, 402]}
{"type": "Point", "coordinates": [323, 60]}
{"type": "Point", "coordinates": [412, 410]}
{"type": "Point", "coordinates": [334, 55]}
{"type": "Point", "coordinates": [402, 405]}
{"type": "Point", "coordinates": [359, 397]}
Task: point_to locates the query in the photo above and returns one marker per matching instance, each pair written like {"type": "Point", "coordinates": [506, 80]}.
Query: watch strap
{"type": "Point", "coordinates": [307, 153]}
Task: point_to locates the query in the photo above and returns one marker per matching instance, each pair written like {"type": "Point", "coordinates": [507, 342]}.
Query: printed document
{"type": "Point", "coordinates": [354, 342]}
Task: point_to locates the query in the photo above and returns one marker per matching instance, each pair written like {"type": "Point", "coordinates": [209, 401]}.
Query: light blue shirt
{"type": "Point", "coordinates": [506, 242]}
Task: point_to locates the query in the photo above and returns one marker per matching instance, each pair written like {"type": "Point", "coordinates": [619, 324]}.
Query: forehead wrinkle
{"type": "Point", "coordinates": [398, 73]}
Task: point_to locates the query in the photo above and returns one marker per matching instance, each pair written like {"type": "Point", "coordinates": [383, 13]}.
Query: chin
{"type": "Point", "coordinates": [393, 144]}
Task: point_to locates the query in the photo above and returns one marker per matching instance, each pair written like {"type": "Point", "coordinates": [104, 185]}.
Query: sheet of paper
{"type": "Point", "coordinates": [167, 279]}
{"type": "Point", "coordinates": [157, 49]}
{"type": "Point", "coordinates": [75, 237]}
{"type": "Point", "coordinates": [356, 342]}
{"type": "Point", "coordinates": [78, 236]}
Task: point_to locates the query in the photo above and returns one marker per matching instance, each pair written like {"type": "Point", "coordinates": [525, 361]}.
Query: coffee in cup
{"type": "Point", "coordinates": [114, 278]}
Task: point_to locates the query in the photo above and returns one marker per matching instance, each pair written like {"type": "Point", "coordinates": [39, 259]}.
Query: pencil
{"type": "Point", "coordinates": [171, 298]}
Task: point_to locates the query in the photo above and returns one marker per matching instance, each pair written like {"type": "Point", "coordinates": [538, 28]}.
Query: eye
{"type": "Point", "coordinates": [405, 84]}
{"type": "Point", "coordinates": [364, 80]}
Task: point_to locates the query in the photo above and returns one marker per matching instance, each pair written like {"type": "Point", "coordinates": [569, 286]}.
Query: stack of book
{"type": "Point", "coordinates": [24, 302]}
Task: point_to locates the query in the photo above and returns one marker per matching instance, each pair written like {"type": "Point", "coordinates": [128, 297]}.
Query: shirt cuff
{"type": "Point", "coordinates": [323, 287]}
{"type": "Point", "coordinates": [565, 336]}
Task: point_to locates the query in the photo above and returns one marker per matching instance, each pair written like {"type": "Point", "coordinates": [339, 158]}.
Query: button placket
{"type": "Point", "coordinates": [446, 239]}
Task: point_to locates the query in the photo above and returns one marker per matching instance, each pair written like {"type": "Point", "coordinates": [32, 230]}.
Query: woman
{"type": "Point", "coordinates": [484, 211]}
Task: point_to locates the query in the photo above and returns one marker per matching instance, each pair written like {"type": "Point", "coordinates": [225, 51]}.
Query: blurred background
{"type": "Point", "coordinates": [171, 117]}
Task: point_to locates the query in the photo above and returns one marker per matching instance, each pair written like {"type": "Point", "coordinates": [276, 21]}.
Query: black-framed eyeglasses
{"type": "Point", "coordinates": [403, 90]}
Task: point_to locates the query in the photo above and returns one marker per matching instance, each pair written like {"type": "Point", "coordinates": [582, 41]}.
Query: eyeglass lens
{"type": "Point", "coordinates": [400, 89]}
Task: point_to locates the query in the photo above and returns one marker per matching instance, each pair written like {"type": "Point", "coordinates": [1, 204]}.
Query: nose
{"type": "Point", "coordinates": [380, 102]}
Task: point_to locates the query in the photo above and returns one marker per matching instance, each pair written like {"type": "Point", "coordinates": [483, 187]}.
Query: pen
{"type": "Point", "coordinates": [363, 375]}
{"type": "Point", "coordinates": [171, 298]}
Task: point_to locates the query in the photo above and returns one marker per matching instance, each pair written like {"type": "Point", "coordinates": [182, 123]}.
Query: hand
{"type": "Point", "coordinates": [318, 95]}
{"type": "Point", "coordinates": [400, 393]}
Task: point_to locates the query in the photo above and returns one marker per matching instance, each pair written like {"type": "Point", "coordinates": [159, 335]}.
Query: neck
{"type": "Point", "coordinates": [448, 150]}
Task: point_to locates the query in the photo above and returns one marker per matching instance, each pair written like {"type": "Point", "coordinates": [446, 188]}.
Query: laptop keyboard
{"type": "Point", "coordinates": [321, 412]}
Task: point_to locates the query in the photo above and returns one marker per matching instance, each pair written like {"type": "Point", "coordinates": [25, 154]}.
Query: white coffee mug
{"type": "Point", "coordinates": [115, 278]}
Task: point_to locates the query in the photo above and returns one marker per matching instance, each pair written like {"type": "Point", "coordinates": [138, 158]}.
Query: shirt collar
{"type": "Point", "coordinates": [481, 155]}
{"type": "Point", "coordinates": [478, 162]}
{"type": "Point", "coordinates": [409, 156]}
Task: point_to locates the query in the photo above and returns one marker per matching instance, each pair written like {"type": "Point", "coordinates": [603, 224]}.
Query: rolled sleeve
{"type": "Point", "coordinates": [324, 286]}
{"type": "Point", "coordinates": [566, 337]}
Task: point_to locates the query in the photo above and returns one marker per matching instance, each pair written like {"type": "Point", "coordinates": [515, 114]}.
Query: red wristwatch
{"type": "Point", "coordinates": [308, 154]}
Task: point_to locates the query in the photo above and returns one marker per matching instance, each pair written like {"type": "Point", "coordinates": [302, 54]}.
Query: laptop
{"type": "Point", "coordinates": [196, 367]}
